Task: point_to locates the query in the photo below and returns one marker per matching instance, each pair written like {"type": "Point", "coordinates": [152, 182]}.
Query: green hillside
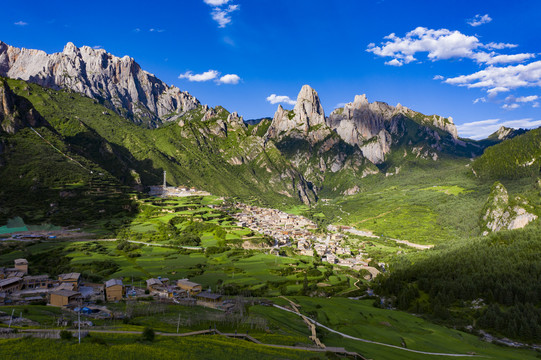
{"type": "Point", "coordinates": [519, 157]}
{"type": "Point", "coordinates": [199, 154]}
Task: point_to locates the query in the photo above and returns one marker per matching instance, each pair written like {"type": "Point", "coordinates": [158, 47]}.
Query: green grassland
{"type": "Point", "coordinates": [361, 319]}
{"type": "Point", "coordinates": [427, 202]}
{"type": "Point", "coordinates": [130, 347]}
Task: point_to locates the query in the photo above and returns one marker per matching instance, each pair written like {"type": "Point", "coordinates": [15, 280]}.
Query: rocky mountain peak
{"type": "Point", "coordinates": [308, 109]}
{"type": "Point", "coordinates": [70, 49]}
{"type": "Point", "coordinates": [504, 133]}
{"type": "Point", "coordinates": [305, 121]}
{"type": "Point", "coordinates": [118, 83]}
{"type": "Point", "coordinates": [372, 126]}
{"type": "Point", "coordinates": [360, 100]}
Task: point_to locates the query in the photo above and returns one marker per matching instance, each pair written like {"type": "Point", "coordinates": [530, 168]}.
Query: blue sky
{"type": "Point", "coordinates": [476, 61]}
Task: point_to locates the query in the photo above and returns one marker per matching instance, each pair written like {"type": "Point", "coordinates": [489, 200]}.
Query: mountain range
{"type": "Point", "coordinates": [131, 125]}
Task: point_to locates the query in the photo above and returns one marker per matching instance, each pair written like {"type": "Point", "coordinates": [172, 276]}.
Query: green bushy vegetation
{"type": "Point", "coordinates": [498, 272]}
{"type": "Point", "coordinates": [515, 158]}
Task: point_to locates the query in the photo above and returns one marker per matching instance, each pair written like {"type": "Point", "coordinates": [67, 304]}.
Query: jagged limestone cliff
{"type": "Point", "coordinates": [374, 127]}
{"type": "Point", "coordinates": [119, 83]}
{"type": "Point", "coordinates": [502, 213]}
{"type": "Point", "coordinates": [306, 121]}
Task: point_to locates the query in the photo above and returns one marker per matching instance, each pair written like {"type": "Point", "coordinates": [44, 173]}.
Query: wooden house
{"type": "Point", "coordinates": [114, 290]}
{"type": "Point", "coordinates": [70, 278]}
{"type": "Point", "coordinates": [189, 286]}
{"type": "Point", "coordinates": [64, 297]}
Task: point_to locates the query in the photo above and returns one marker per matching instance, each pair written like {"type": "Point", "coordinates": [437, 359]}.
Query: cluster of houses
{"type": "Point", "coordinates": [331, 251]}
{"type": "Point", "coordinates": [279, 225]}
{"type": "Point", "coordinates": [184, 290]}
{"type": "Point", "coordinates": [17, 287]}
{"type": "Point", "coordinates": [286, 229]}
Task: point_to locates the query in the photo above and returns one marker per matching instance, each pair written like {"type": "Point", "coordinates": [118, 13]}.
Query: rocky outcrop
{"type": "Point", "coordinates": [305, 121]}
{"type": "Point", "coordinates": [119, 83]}
{"type": "Point", "coordinates": [372, 126]}
{"type": "Point", "coordinates": [376, 148]}
{"type": "Point", "coordinates": [16, 112]}
{"type": "Point", "coordinates": [504, 133]}
{"type": "Point", "coordinates": [503, 213]}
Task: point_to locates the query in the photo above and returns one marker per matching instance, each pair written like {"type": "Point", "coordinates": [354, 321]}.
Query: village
{"type": "Point", "coordinates": [68, 291]}
{"type": "Point", "coordinates": [287, 229]}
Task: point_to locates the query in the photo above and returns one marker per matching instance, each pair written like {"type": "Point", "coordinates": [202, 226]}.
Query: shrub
{"type": "Point", "coordinates": [148, 334]}
{"type": "Point", "coordinates": [66, 335]}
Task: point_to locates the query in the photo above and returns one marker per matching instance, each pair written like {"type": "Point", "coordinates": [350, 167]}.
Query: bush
{"type": "Point", "coordinates": [66, 335]}
{"type": "Point", "coordinates": [148, 334]}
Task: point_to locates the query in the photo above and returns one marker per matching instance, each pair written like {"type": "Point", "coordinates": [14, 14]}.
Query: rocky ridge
{"type": "Point", "coordinates": [119, 83]}
{"type": "Point", "coordinates": [373, 127]}
{"type": "Point", "coordinates": [504, 133]}
{"type": "Point", "coordinates": [503, 213]}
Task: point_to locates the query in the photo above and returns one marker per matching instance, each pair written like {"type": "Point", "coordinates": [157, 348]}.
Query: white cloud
{"type": "Point", "coordinates": [216, 2]}
{"type": "Point", "coordinates": [438, 77]}
{"type": "Point", "coordinates": [156, 30]}
{"type": "Point", "coordinates": [440, 45]}
{"type": "Point", "coordinates": [136, 30]}
{"type": "Point", "coordinates": [513, 102]}
{"type": "Point", "coordinates": [512, 106]}
{"type": "Point", "coordinates": [499, 46]}
{"type": "Point", "coordinates": [493, 58]}
{"type": "Point", "coordinates": [525, 99]}
{"type": "Point", "coordinates": [479, 20]}
{"type": "Point", "coordinates": [482, 129]}
{"type": "Point", "coordinates": [501, 79]}
{"type": "Point", "coordinates": [222, 15]}
{"type": "Point", "coordinates": [276, 99]}
{"type": "Point", "coordinates": [97, 47]}
{"type": "Point", "coordinates": [394, 62]}
{"type": "Point", "coordinates": [206, 76]}
{"type": "Point", "coordinates": [231, 79]}
{"type": "Point", "coordinates": [480, 100]}
{"type": "Point", "coordinates": [20, 23]}
{"type": "Point", "coordinates": [495, 91]}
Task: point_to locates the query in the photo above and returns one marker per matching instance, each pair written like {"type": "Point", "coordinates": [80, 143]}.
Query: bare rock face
{"type": "Point", "coordinates": [16, 112]}
{"type": "Point", "coordinates": [504, 133]}
{"type": "Point", "coordinates": [371, 126]}
{"type": "Point", "coordinates": [503, 213]}
{"type": "Point", "coordinates": [375, 149]}
{"type": "Point", "coordinates": [305, 121]}
{"type": "Point", "coordinates": [119, 83]}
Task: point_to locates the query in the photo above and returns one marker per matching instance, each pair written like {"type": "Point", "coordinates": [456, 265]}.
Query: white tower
{"type": "Point", "coordinates": [164, 181]}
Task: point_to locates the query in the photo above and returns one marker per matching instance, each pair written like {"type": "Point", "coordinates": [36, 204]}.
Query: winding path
{"type": "Point", "coordinates": [375, 342]}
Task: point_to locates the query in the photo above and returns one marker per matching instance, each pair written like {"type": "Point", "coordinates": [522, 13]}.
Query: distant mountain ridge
{"type": "Point", "coordinates": [118, 83]}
